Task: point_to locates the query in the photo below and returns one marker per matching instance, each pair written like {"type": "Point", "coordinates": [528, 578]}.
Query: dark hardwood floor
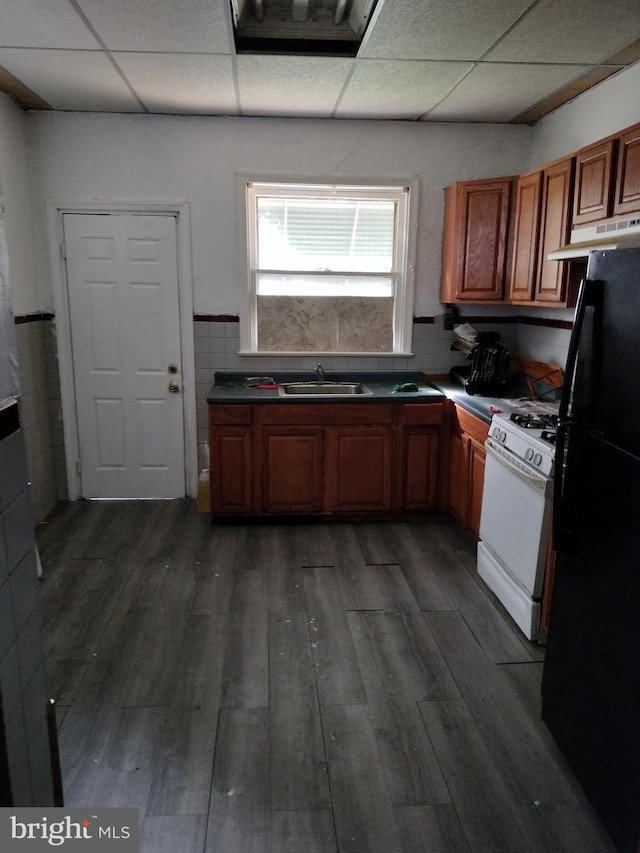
{"type": "Point", "coordinates": [297, 688]}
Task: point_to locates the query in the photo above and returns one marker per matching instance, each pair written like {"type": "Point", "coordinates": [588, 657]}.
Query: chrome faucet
{"type": "Point", "coordinates": [319, 373]}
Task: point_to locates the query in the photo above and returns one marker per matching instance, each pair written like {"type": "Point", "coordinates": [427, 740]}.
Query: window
{"type": "Point", "coordinates": [328, 269]}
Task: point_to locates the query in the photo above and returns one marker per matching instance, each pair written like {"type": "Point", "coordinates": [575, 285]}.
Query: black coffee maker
{"type": "Point", "coordinates": [489, 368]}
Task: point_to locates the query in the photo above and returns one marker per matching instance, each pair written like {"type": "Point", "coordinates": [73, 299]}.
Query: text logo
{"type": "Point", "coordinates": [87, 830]}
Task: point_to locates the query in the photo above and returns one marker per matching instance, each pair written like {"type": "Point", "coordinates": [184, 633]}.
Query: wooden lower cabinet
{"type": "Point", "coordinates": [458, 475]}
{"type": "Point", "coordinates": [358, 468]}
{"type": "Point", "coordinates": [231, 478]}
{"type": "Point", "coordinates": [325, 459]}
{"type": "Point", "coordinates": [477, 461]}
{"type": "Point", "coordinates": [466, 469]}
{"type": "Point", "coordinates": [231, 449]}
{"type": "Point", "coordinates": [420, 479]}
{"type": "Point", "coordinates": [291, 474]}
{"type": "Point", "coordinates": [420, 465]}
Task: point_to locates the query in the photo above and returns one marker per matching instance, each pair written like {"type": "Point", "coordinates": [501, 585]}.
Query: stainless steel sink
{"type": "Point", "coordinates": [322, 389]}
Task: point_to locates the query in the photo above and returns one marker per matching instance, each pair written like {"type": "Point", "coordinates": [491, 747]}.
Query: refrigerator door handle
{"type": "Point", "coordinates": [588, 296]}
{"type": "Point", "coordinates": [559, 532]}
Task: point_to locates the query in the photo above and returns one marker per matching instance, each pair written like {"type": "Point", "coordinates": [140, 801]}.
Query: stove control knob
{"type": "Point", "coordinates": [503, 436]}
{"type": "Point", "coordinates": [528, 455]}
{"type": "Point", "coordinates": [537, 459]}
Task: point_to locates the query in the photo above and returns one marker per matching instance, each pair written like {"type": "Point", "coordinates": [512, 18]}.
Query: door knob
{"type": "Point", "coordinates": [174, 387]}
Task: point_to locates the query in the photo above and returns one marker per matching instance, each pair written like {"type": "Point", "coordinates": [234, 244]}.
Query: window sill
{"type": "Point", "coordinates": [324, 354]}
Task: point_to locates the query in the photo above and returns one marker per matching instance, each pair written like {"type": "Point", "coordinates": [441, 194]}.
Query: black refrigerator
{"type": "Point", "coordinates": [591, 677]}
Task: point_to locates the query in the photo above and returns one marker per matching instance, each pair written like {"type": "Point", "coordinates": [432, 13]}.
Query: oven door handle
{"type": "Point", "coordinates": [539, 483]}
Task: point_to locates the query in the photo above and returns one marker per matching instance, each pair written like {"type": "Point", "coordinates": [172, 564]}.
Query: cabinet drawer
{"type": "Point", "coordinates": [227, 414]}
{"type": "Point", "coordinates": [418, 414]}
{"type": "Point", "coordinates": [324, 414]}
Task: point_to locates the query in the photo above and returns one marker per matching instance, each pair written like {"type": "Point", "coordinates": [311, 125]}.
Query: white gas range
{"type": "Point", "coordinates": [515, 524]}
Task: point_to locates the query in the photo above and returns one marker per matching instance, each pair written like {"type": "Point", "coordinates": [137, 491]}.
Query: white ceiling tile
{"type": "Point", "coordinates": [43, 23]}
{"type": "Point", "coordinates": [187, 26]}
{"type": "Point", "coordinates": [398, 90]}
{"type": "Point", "coordinates": [439, 29]}
{"type": "Point", "coordinates": [191, 84]}
{"type": "Point", "coordinates": [583, 31]}
{"type": "Point", "coordinates": [178, 56]}
{"type": "Point", "coordinates": [70, 79]}
{"type": "Point", "coordinates": [499, 92]}
{"type": "Point", "coordinates": [290, 85]}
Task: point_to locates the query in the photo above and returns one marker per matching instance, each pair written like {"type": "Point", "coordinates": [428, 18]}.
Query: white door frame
{"type": "Point", "coordinates": [56, 208]}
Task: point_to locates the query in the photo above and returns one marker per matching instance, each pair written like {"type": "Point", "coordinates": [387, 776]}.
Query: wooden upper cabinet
{"type": "Point", "coordinates": [475, 245]}
{"type": "Point", "coordinates": [525, 238]}
{"type": "Point", "coordinates": [595, 173]}
{"type": "Point", "coordinates": [627, 193]}
{"type": "Point", "coordinates": [555, 230]}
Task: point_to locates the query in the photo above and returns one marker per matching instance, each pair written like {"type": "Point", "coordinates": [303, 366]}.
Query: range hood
{"type": "Point", "coordinates": [609, 234]}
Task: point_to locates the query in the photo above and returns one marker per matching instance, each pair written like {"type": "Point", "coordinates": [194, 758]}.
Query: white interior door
{"type": "Point", "coordinates": [122, 277]}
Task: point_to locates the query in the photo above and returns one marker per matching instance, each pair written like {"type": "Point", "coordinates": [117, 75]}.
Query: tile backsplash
{"type": "Point", "coordinates": [543, 343]}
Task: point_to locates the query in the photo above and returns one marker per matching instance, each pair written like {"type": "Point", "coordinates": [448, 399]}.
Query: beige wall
{"type": "Point", "coordinates": [15, 166]}
{"type": "Point", "coordinates": [607, 108]}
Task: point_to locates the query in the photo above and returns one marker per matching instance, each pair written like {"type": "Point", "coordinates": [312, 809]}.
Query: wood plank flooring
{"type": "Point", "coordinates": [297, 688]}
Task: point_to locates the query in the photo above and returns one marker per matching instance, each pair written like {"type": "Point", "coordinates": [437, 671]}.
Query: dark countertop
{"type": "Point", "coordinates": [516, 387]}
{"type": "Point", "coordinates": [483, 407]}
{"type": "Point", "coordinates": [230, 388]}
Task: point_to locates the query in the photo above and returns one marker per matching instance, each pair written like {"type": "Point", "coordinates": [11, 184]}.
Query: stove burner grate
{"type": "Point", "coordinates": [529, 421]}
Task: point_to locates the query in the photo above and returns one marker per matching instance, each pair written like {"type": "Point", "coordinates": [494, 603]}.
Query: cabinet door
{"type": "Point", "coordinates": [419, 471]}
{"type": "Point", "coordinates": [358, 468]}
{"type": "Point", "coordinates": [526, 236]}
{"type": "Point", "coordinates": [627, 196]}
{"type": "Point", "coordinates": [475, 241]}
{"type": "Point", "coordinates": [231, 469]}
{"type": "Point", "coordinates": [593, 197]}
{"type": "Point", "coordinates": [459, 476]}
{"type": "Point", "coordinates": [477, 459]}
{"type": "Point", "coordinates": [291, 469]}
{"type": "Point", "coordinates": [555, 230]}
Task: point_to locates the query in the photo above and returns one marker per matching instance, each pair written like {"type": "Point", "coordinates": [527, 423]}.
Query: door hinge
{"type": "Point", "coordinates": [63, 250]}
{"type": "Point", "coordinates": [78, 467]}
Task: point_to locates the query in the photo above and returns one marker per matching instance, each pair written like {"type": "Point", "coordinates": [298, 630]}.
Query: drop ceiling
{"type": "Point", "coordinates": [415, 60]}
